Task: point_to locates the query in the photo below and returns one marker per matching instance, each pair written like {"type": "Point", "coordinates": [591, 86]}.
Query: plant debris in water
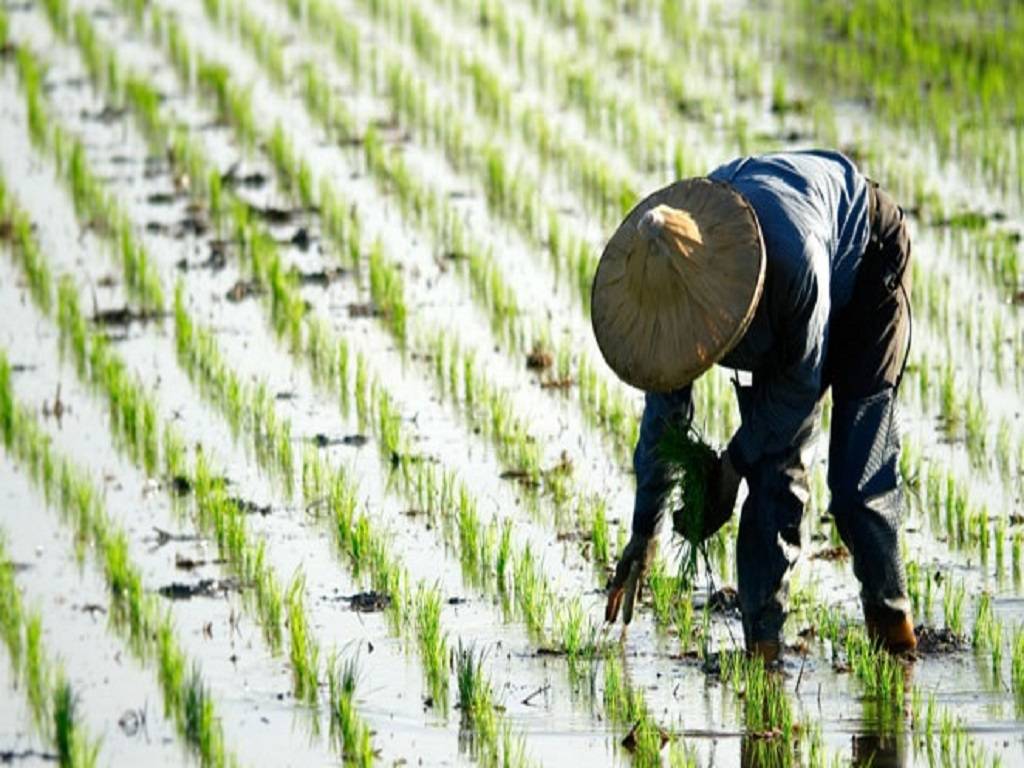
{"type": "Point", "coordinates": [202, 588]}
{"type": "Point", "coordinates": [368, 602]}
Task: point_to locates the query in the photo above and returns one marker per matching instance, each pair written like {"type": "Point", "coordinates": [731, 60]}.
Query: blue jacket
{"type": "Point", "coordinates": [813, 210]}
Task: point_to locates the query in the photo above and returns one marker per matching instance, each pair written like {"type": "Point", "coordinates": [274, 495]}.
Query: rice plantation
{"type": "Point", "coordinates": [309, 453]}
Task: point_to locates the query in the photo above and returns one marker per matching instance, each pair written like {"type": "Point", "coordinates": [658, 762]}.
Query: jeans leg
{"type": "Point", "coordinates": [867, 499]}
{"type": "Point", "coordinates": [769, 542]}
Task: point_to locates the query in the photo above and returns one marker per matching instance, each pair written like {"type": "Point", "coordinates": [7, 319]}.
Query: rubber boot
{"type": "Point", "coordinates": [893, 636]}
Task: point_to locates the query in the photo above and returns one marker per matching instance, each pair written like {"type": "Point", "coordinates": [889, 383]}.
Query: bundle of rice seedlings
{"type": "Point", "coordinates": [690, 461]}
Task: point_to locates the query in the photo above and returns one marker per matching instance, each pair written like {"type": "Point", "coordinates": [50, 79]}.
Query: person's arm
{"type": "Point", "coordinates": [785, 396]}
{"type": "Point", "coordinates": [652, 483]}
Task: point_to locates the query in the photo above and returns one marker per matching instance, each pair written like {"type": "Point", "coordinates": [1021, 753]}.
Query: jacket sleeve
{"type": "Point", "coordinates": [785, 395]}
{"type": "Point", "coordinates": [652, 483]}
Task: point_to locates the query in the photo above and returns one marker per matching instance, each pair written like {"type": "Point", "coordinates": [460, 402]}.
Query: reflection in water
{"type": "Point", "coordinates": [879, 750]}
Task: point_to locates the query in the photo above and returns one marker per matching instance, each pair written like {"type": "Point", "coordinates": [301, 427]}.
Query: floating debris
{"type": "Point", "coordinates": [177, 590]}
{"type": "Point", "coordinates": [368, 602]}
{"type": "Point", "coordinates": [243, 289]}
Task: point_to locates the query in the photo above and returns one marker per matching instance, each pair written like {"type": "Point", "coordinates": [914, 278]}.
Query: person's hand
{"type": "Point", "coordinates": [723, 488]}
{"type": "Point", "coordinates": [625, 586]}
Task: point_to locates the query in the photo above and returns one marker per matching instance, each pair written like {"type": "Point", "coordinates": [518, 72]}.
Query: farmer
{"type": "Point", "coordinates": [794, 267]}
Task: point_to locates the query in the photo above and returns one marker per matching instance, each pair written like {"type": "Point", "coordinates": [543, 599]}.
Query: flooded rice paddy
{"type": "Point", "coordinates": [310, 456]}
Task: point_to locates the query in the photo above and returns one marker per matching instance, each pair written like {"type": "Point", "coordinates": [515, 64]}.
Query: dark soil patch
{"type": "Point", "coordinates": [91, 608]}
{"type": "Point", "coordinates": [177, 590]}
{"type": "Point", "coordinates": [301, 239]}
{"type": "Point", "coordinates": [194, 223]}
{"type": "Point", "coordinates": [161, 198]}
{"type": "Point", "coordinates": [539, 359]}
{"type": "Point", "coordinates": [553, 383]}
{"type": "Point", "coordinates": [121, 316]}
{"type": "Point", "coordinates": [234, 179]}
{"type": "Point", "coordinates": [181, 485]}
{"type": "Point", "coordinates": [216, 261]}
{"type": "Point", "coordinates": [186, 563]}
{"type": "Point", "coordinates": [250, 507]}
{"type": "Point", "coordinates": [322, 441]}
{"type": "Point", "coordinates": [938, 641]}
{"type": "Point", "coordinates": [320, 277]}
{"type": "Point", "coordinates": [8, 756]}
{"type": "Point", "coordinates": [832, 554]}
{"type": "Point", "coordinates": [574, 536]}
{"type": "Point", "coordinates": [242, 290]}
{"type": "Point", "coordinates": [368, 602]}
{"type": "Point", "coordinates": [272, 214]}
{"type": "Point", "coordinates": [363, 309]}
{"type": "Point", "coordinates": [521, 476]}
{"type": "Point", "coordinates": [162, 537]}
{"type": "Point", "coordinates": [108, 115]}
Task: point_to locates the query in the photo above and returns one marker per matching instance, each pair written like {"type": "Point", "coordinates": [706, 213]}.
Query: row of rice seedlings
{"type": "Point", "coordinates": [137, 615]}
{"type": "Point", "coordinates": [320, 340]}
{"type": "Point", "coordinates": [529, 586]}
{"type": "Point", "coordinates": [972, 445]}
{"type": "Point", "coordinates": [675, 64]}
{"type": "Point", "coordinates": [978, 57]}
{"type": "Point", "coordinates": [488, 404]}
{"type": "Point", "coordinates": [54, 707]}
{"type": "Point", "coordinates": [987, 635]}
{"type": "Point", "coordinates": [984, 342]}
{"type": "Point", "coordinates": [133, 418]}
{"type": "Point", "coordinates": [616, 417]}
{"type": "Point", "coordinates": [982, 539]}
{"type": "Point", "coordinates": [90, 202]}
{"type": "Point", "coordinates": [732, 71]}
{"type": "Point", "coordinates": [428, 614]}
{"type": "Point", "coordinates": [248, 406]}
{"type": "Point", "coordinates": [439, 358]}
{"type": "Point", "coordinates": [957, 521]}
{"type": "Point", "coordinates": [570, 625]}
{"type": "Point", "coordinates": [563, 75]}
{"type": "Point", "coordinates": [602, 404]}
{"type": "Point", "coordinates": [98, 364]}
{"type": "Point", "coordinates": [19, 228]}
{"type": "Point", "coordinates": [886, 684]}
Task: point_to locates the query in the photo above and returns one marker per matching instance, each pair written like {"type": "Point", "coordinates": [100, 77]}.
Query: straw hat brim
{"type": "Point", "coordinates": [660, 325]}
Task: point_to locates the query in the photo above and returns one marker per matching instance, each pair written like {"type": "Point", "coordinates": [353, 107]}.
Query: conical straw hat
{"type": "Point", "coordinates": [677, 284]}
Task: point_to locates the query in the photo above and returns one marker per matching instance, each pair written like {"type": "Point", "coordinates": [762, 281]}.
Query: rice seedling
{"type": "Point", "coordinates": [599, 536]}
{"type": "Point", "coordinates": [952, 606]}
{"type": "Point", "coordinates": [1017, 664]}
{"type": "Point", "coordinates": [73, 746]}
{"type": "Point", "coordinates": [578, 634]}
{"type": "Point", "coordinates": [351, 735]}
{"type": "Point", "coordinates": [304, 651]}
{"type": "Point", "coordinates": [433, 644]}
